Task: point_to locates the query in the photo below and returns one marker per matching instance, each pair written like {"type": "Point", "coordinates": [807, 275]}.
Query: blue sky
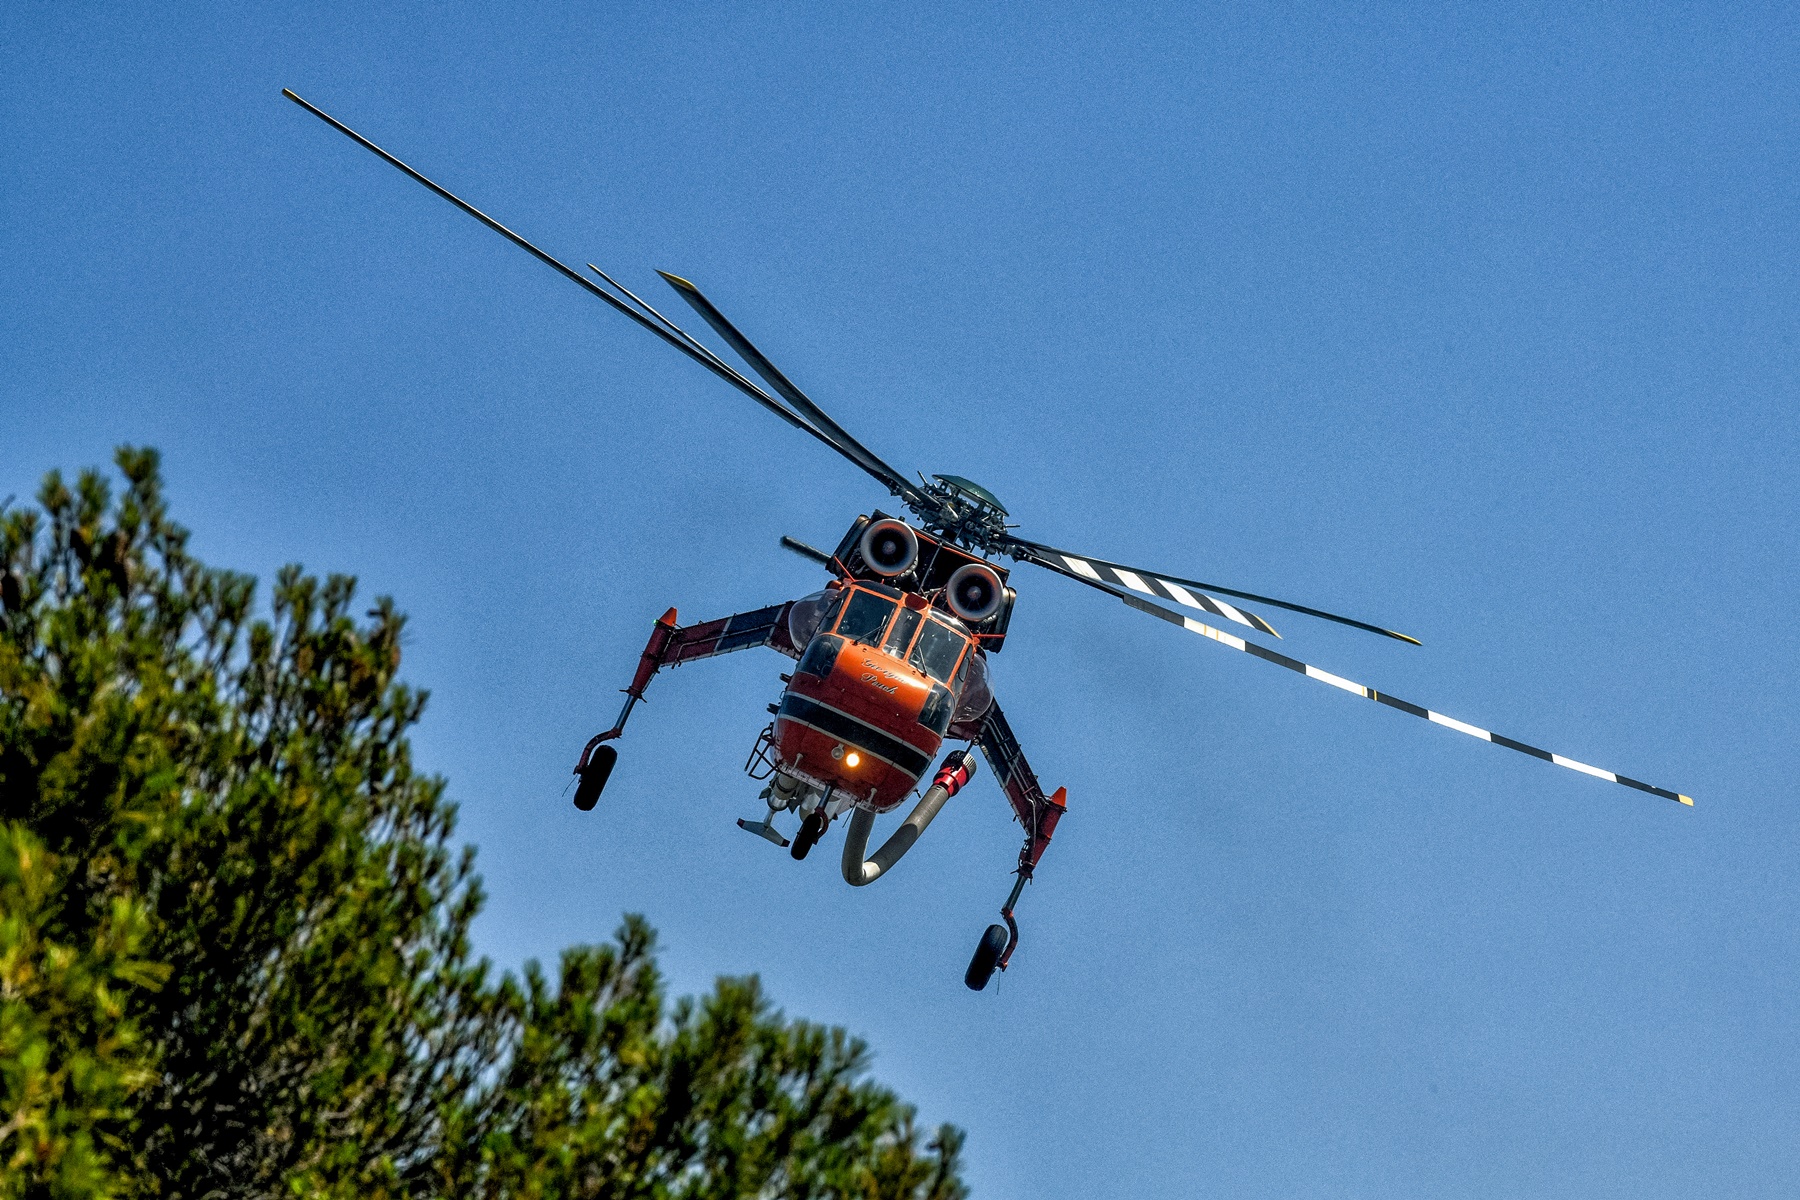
{"type": "Point", "coordinates": [1476, 324]}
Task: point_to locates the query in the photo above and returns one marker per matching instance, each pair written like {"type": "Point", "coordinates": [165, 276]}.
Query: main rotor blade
{"type": "Point", "coordinates": [1369, 693]}
{"type": "Point", "coordinates": [1110, 579]}
{"type": "Point", "coordinates": [692, 342]}
{"type": "Point", "coordinates": [1172, 587]}
{"type": "Point", "coordinates": [702, 356]}
{"type": "Point", "coordinates": [785, 388]}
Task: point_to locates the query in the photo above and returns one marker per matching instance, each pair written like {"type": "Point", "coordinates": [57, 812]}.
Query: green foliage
{"type": "Point", "coordinates": [234, 936]}
{"type": "Point", "coordinates": [72, 1061]}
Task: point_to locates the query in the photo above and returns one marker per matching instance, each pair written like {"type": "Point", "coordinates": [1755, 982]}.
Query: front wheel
{"type": "Point", "coordinates": [811, 830]}
{"type": "Point", "coordinates": [987, 956]}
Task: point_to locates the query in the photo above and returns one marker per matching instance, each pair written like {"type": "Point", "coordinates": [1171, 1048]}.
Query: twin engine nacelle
{"type": "Point", "coordinates": [974, 592]}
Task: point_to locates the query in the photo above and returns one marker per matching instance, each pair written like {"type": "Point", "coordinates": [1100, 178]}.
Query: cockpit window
{"type": "Point", "coordinates": [865, 616]}
{"type": "Point", "coordinates": [901, 635]}
{"type": "Point", "coordinates": [974, 694]}
{"type": "Point", "coordinates": [809, 614]}
{"type": "Point", "coordinates": [937, 650]}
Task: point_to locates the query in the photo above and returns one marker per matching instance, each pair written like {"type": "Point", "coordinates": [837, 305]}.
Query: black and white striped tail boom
{"type": "Point", "coordinates": [1110, 577]}
{"type": "Point", "coordinates": [1369, 693]}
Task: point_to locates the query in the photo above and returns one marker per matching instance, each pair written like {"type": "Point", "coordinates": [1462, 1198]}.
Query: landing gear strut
{"type": "Point", "coordinates": [598, 758]}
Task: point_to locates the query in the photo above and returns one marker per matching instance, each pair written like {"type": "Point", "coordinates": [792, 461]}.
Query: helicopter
{"type": "Point", "coordinates": [890, 657]}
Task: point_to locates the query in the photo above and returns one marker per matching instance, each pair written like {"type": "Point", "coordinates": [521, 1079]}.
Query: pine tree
{"type": "Point", "coordinates": [234, 934]}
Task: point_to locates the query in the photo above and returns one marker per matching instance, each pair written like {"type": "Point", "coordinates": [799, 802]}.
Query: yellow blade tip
{"type": "Point", "coordinates": [678, 281]}
{"type": "Point", "coordinates": [1687, 800]}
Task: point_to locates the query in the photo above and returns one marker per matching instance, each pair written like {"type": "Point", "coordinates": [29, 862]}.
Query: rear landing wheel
{"type": "Point", "coordinates": [594, 776]}
{"type": "Point", "coordinates": [987, 956]}
{"type": "Point", "coordinates": [811, 830]}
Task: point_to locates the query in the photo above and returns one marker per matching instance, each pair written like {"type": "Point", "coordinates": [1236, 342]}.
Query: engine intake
{"type": "Point", "coordinates": [889, 547]}
{"type": "Point", "coordinates": [974, 593]}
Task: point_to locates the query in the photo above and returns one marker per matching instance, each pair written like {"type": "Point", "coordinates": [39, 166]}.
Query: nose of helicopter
{"type": "Point", "coordinates": [858, 727]}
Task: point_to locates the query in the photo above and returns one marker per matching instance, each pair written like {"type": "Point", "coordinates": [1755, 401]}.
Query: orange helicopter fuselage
{"type": "Point", "coordinates": [875, 689]}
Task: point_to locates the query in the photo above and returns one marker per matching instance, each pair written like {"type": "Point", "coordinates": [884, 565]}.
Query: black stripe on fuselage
{"type": "Point", "coordinates": [852, 732]}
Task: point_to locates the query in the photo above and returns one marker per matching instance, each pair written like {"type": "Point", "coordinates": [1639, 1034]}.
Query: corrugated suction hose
{"type": "Point", "coordinates": [957, 770]}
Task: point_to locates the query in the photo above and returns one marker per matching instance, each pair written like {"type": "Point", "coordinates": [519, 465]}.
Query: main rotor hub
{"type": "Point", "coordinates": [963, 511]}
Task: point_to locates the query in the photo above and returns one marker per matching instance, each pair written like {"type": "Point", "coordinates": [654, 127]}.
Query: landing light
{"type": "Point", "coordinates": [852, 758]}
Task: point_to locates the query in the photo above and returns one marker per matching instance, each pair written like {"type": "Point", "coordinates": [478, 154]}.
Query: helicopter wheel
{"type": "Point", "coordinates": [811, 830]}
{"type": "Point", "coordinates": [594, 776]}
{"type": "Point", "coordinates": [987, 956]}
